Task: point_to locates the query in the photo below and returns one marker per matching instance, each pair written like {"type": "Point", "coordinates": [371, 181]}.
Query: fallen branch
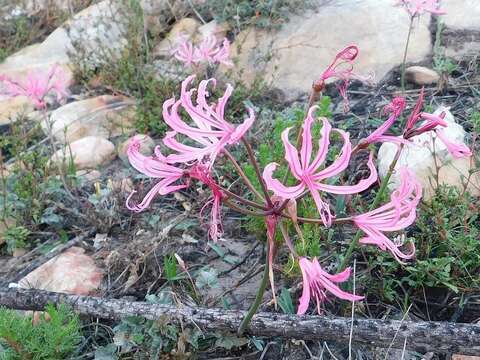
{"type": "Point", "coordinates": [420, 336]}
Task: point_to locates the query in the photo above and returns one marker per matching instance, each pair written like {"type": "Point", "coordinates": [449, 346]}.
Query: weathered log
{"type": "Point", "coordinates": [421, 336]}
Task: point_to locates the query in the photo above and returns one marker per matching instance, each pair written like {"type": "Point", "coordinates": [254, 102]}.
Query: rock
{"type": "Point", "coordinates": [159, 13]}
{"type": "Point", "coordinates": [293, 57]}
{"type": "Point", "coordinates": [105, 116]}
{"type": "Point", "coordinates": [146, 146]}
{"type": "Point", "coordinates": [71, 272]}
{"type": "Point", "coordinates": [187, 26]}
{"type": "Point", "coordinates": [87, 153]}
{"type": "Point", "coordinates": [12, 108]}
{"type": "Point", "coordinates": [420, 160]}
{"type": "Point", "coordinates": [214, 28]}
{"type": "Point", "coordinates": [464, 357]}
{"type": "Point", "coordinates": [461, 14]}
{"type": "Point", "coordinates": [421, 75]}
{"type": "Point", "coordinates": [462, 34]}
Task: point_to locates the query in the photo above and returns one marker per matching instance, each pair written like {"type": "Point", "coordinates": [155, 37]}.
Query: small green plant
{"type": "Point", "coordinates": [16, 238]}
{"type": "Point", "coordinates": [55, 336]}
{"type": "Point", "coordinates": [262, 14]}
{"type": "Point", "coordinates": [441, 63]}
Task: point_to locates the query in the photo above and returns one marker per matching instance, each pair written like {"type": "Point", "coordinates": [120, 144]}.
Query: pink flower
{"type": "Point", "coordinates": [209, 130]}
{"type": "Point", "coordinates": [418, 7]}
{"type": "Point", "coordinates": [308, 171]}
{"type": "Point", "coordinates": [430, 122]}
{"type": "Point", "coordinates": [317, 281]}
{"type": "Point", "coordinates": [396, 215]}
{"type": "Point", "coordinates": [341, 68]}
{"type": "Point", "coordinates": [155, 167]}
{"type": "Point", "coordinates": [38, 85]}
{"type": "Point", "coordinates": [395, 108]}
{"type": "Point", "coordinates": [457, 150]}
{"type": "Point", "coordinates": [207, 49]}
{"type": "Point", "coordinates": [185, 52]}
{"type": "Point", "coordinates": [223, 54]}
{"type": "Point", "coordinates": [202, 173]}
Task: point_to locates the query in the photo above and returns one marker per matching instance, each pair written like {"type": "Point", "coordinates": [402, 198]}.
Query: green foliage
{"type": "Point", "coordinates": [170, 267]}
{"type": "Point", "coordinates": [16, 238]}
{"type": "Point", "coordinates": [263, 14]}
{"type": "Point", "coordinates": [54, 337]}
{"type": "Point", "coordinates": [285, 301]}
{"type": "Point", "coordinates": [447, 248]}
{"type": "Point", "coordinates": [441, 63]}
{"type": "Point", "coordinates": [474, 119]}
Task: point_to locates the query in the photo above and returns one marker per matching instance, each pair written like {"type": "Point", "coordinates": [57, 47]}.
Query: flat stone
{"type": "Point", "coordinates": [421, 75]}
{"type": "Point", "coordinates": [71, 272]}
{"type": "Point", "coordinates": [87, 153]}
{"type": "Point", "coordinates": [293, 57]}
{"type": "Point", "coordinates": [105, 116]}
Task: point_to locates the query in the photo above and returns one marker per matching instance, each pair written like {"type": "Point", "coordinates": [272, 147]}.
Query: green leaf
{"type": "Point", "coordinates": [285, 301]}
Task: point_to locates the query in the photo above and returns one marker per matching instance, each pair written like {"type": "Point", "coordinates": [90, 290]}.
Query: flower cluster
{"type": "Point", "coordinates": [194, 144]}
{"type": "Point", "coordinates": [419, 7]}
{"type": "Point", "coordinates": [209, 132]}
{"type": "Point", "coordinates": [208, 51]}
{"type": "Point", "coordinates": [418, 122]}
{"type": "Point", "coordinates": [37, 86]}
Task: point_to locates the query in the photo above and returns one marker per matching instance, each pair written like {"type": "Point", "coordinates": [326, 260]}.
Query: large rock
{"type": "Point", "coordinates": [87, 153]}
{"type": "Point", "coordinates": [186, 26]}
{"type": "Point", "coordinates": [104, 116]}
{"type": "Point", "coordinates": [461, 14]}
{"type": "Point", "coordinates": [293, 57]}
{"type": "Point", "coordinates": [419, 158]}
{"type": "Point", "coordinates": [71, 272]}
{"type": "Point", "coordinates": [462, 33]}
{"type": "Point", "coordinates": [11, 108]}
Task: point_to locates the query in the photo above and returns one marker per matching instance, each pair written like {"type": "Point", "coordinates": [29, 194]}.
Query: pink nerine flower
{"type": "Point", "coordinates": [210, 131]}
{"type": "Point", "coordinates": [308, 172]}
{"type": "Point", "coordinates": [209, 50]}
{"type": "Point", "coordinates": [185, 52]}
{"type": "Point", "coordinates": [155, 167]}
{"type": "Point", "coordinates": [418, 7]}
{"type": "Point", "coordinates": [395, 108]}
{"type": "Point", "coordinates": [37, 85]}
{"type": "Point", "coordinates": [396, 215]}
{"type": "Point", "coordinates": [317, 281]}
{"type": "Point", "coordinates": [341, 68]}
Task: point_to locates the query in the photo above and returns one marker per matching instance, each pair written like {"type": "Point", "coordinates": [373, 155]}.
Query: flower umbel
{"type": "Point", "coordinates": [419, 7]}
{"type": "Point", "coordinates": [307, 169]}
{"type": "Point", "coordinates": [210, 131]}
{"type": "Point", "coordinates": [37, 85]}
{"type": "Point", "coordinates": [396, 215]}
{"type": "Point", "coordinates": [316, 282]}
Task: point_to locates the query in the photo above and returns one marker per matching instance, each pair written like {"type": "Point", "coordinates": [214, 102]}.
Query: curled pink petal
{"type": "Point", "coordinates": [316, 282]}
{"type": "Point", "coordinates": [208, 130]}
{"type": "Point", "coordinates": [396, 108]}
{"type": "Point", "coordinates": [396, 215]}
{"type": "Point", "coordinates": [457, 150]}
